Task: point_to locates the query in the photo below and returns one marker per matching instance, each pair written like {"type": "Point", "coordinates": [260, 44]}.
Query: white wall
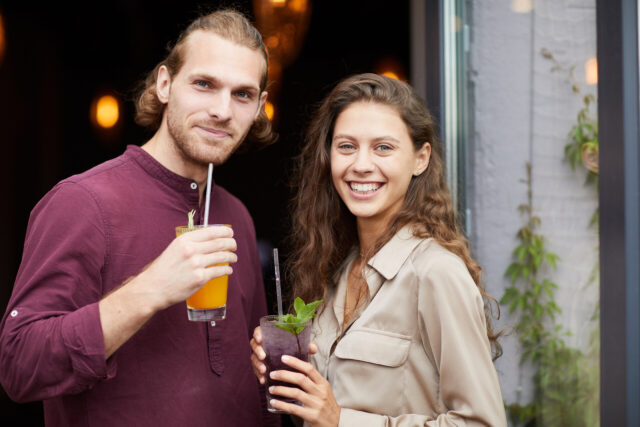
{"type": "Point", "coordinates": [522, 112]}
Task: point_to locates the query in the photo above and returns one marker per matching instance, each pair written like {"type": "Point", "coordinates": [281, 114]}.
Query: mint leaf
{"type": "Point", "coordinates": [298, 304]}
{"type": "Point", "coordinates": [288, 318]}
{"type": "Point", "coordinates": [289, 328]}
{"type": "Point", "coordinates": [304, 313]}
{"type": "Point", "coordinates": [308, 312]}
{"type": "Point", "coordinates": [190, 215]}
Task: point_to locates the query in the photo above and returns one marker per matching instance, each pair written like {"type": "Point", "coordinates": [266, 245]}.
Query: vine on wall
{"type": "Point", "coordinates": [566, 380]}
{"type": "Point", "coordinates": [566, 384]}
{"type": "Point", "coordinates": [582, 147]}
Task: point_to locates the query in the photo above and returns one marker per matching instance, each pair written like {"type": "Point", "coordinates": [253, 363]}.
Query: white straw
{"type": "Point", "coordinates": [276, 265]}
{"type": "Point", "coordinates": [208, 196]}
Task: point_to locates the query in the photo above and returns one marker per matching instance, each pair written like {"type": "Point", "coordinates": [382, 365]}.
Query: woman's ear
{"type": "Point", "coordinates": [422, 159]}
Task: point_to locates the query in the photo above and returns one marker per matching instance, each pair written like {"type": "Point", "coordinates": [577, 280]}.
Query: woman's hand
{"type": "Point", "coordinates": [320, 407]}
{"type": "Point", "coordinates": [258, 355]}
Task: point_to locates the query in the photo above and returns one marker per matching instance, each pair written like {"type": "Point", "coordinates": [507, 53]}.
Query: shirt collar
{"type": "Point", "coordinates": [385, 264]}
{"type": "Point", "coordinates": [185, 186]}
{"type": "Point", "coordinates": [388, 260]}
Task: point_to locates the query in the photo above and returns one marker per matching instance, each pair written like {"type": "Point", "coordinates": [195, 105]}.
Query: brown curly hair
{"type": "Point", "coordinates": [228, 24]}
{"type": "Point", "coordinates": [323, 229]}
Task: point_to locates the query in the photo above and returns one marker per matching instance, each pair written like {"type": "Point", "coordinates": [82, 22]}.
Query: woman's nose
{"type": "Point", "coordinates": [363, 161]}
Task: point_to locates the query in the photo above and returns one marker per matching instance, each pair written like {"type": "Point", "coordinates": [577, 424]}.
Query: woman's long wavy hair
{"type": "Point", "coordinates": [228, 24]}
{"type": "Point", "coordinates": [323, 229]}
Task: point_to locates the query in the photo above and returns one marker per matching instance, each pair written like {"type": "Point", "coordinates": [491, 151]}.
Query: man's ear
{"type": "Point", "coordinates": [163, 84]}
{"type": "Point", "coordinates": [263, 99]}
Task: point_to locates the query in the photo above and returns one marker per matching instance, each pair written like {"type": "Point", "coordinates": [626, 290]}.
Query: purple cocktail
{"type": "Point", "coordinates": [277, 342]}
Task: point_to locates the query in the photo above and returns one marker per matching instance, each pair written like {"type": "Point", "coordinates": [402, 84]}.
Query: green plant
{"type": "Point", "coordinates": [583, 146]}
{"type": "Point", "coordinates": [304, 313]}
{"type": "Point", "coordinates": [565, 389]}
{"type": "Point", "coordinates": [295, 324]}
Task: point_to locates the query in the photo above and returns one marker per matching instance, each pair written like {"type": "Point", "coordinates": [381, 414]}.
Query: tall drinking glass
{"type": "Point", "coordinates": [277, 342]}
{"type": "Point", "coordinates": [209, 304]}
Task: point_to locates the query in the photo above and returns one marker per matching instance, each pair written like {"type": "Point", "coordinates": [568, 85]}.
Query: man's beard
{"type": "Point", "coordinates": [195, 151]}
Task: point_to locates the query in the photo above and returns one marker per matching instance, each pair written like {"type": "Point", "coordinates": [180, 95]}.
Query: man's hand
{"type": "Point", "coordinates": [190, 261]}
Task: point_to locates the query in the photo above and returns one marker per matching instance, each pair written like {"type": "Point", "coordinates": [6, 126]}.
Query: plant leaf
{"type": "Point", "coordinates": [304, 313]}
{"type": "Point", "coordinates": [298, 305]}
{"type": "Point", "coordinates": [308, 312]}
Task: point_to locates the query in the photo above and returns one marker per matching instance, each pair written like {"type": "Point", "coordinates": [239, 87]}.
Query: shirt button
{"type": "Point", "coordinates": [14, 313]}
{"type": "Point", "coordinates": [194, 186]}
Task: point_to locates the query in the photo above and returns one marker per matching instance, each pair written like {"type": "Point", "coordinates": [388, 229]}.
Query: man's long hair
{"type": "Point", "coordinates": [323, 229]}
{"type": "Point", "coordinates": [228, 24]}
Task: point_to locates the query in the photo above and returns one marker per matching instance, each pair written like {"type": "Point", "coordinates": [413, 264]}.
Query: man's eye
{"type": "Point", "coordinates": [384, 147]}
{"type": "Point", "coordinates": [201, 83]}
{"type": "Point", "coordinates": [243, 95]}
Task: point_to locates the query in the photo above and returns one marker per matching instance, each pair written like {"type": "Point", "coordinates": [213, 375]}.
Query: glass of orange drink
{"type": "Point", "coordinates": [209, 303]}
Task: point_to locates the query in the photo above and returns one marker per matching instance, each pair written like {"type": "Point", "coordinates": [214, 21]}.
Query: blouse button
{"type": "Point", "coordinates": [194, 186]}
{"type": "Point", "coordinates": [14, 313]}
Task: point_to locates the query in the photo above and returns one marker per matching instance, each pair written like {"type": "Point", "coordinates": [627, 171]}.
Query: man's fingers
{"type": "Point", "coordinates": [216, 271]}
{"type": "Point", "coordinates": [216, 245]}
{"type": "Point", "coordinates": [216, 258]}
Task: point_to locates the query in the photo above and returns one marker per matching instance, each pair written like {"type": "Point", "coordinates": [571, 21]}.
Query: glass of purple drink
{"type": "Point", "coordinates": [291, 339]}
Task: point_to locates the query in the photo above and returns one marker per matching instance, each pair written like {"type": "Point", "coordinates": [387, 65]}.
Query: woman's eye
{"type": "Point", "coordinates": [345, 146]}
{"type": "Point", "coordinates": [384, 147]}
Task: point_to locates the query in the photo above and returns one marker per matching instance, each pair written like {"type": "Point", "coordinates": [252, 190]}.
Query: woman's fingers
{"type": "Point", "coordinates": [304, 367]}
{"type": "Point", "coordinates": [258, 355]}
{"type": "Point", "coordinates": [258, 369]}
{"type": "Point", "coordinates": [290, 408]}
{"type": "Point", "coordinates": [257, 349]}
{"type": "Point", "coordinates": [294, 378]}
{"type": "Point", "coordinates": [319, 408]}
{"type": "Point", "coordinates": [257, 335]}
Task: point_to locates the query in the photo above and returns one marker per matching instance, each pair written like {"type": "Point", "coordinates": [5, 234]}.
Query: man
{"type": "Point", "coordinates": [97, 325]}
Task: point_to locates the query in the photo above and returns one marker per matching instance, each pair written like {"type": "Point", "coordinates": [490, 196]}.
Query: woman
{"type": "Point", "coordinates": [403, 338]}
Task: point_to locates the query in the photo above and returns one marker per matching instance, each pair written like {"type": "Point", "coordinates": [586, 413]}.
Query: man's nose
{"type": "Point", "coordinates": [220, 107]}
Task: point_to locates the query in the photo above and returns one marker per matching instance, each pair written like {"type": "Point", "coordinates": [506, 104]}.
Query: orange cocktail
{"type": "Point", "coordinates": [210, 302]}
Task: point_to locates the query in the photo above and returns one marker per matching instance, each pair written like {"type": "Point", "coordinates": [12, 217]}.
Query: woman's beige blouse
{"type": "Point", "coordinates": [416, 353]}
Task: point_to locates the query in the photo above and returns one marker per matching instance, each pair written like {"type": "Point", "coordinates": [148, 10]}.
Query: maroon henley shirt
{"type": "Point", "coordinates": [86, 237]}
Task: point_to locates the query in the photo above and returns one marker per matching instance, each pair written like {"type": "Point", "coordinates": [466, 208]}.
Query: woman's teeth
{"type": "Point", "coordinates": [364, 188]}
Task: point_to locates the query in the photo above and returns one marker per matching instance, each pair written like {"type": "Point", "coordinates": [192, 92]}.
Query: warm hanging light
{"type": "Point", "coordinates": [390, 74]}
{"type": "Point", "coordinates": [3, 42]}
{"type": "Point", "coordinates": [105, 111]}
{"type": "Point", "coordinates": [269, 110]}
{"type": "Point", "coordinates": [522, 6]}
{"type": "Point", "coordinates": [591, 71]}
{"type": "Point", "coordinates": [283, 24]}
{"type": "Point", "coordinates": [390, 67]}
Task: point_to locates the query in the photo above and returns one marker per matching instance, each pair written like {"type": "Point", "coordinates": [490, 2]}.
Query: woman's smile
{"type": "Point", "coordinates": [373, 160]}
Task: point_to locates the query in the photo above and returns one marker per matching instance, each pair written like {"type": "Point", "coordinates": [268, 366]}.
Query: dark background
{"type": "Point", "coordinates": [58, 58]}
